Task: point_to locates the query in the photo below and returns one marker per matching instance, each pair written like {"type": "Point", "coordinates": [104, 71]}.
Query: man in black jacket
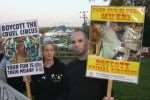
{"type": "Point", "coordinates": [77, 85]}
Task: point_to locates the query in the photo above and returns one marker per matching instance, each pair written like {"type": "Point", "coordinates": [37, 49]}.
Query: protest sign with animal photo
{"type": "Point", "coordinates": [22, 48]}
{"type": "Point", "coordinates": [115, 43]}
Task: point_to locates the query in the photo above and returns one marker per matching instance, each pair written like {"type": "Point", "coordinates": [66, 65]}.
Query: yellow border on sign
{"type": "Point", "coordinates": [118, 14]}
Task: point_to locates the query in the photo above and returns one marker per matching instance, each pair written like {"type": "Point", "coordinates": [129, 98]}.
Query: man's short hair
{"type": "Point", "coordinates": [84, 33]}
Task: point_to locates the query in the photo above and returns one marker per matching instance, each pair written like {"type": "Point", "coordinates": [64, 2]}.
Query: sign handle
{"type": "Point", "coordinates": [109, 91]}
{"type": "Point", "coordinates": [109, 88]}
{"type": "Point", "coordinates": [110, 82]}
{"type": "Point", "coordinates": [27, 80]}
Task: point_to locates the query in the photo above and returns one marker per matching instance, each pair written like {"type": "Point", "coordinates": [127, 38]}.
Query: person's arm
{"type": "Point", "coordinates": [2, 74]}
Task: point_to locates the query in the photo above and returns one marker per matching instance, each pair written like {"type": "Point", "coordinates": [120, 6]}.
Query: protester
{"type": "Point", "coordinates": [49, 85]}
{"type": "Point", "coordinates": [3, 61]}
{"type": "Point", "coordinates": [2, 69]}
{"type": "Point", "coordinates": [77, 85]}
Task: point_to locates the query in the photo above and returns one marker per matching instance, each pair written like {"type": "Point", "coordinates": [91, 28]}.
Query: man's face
{"type": "Point", "coordinates": [48, 52]}
{"type": "Point", "coordinates": [79, 43]}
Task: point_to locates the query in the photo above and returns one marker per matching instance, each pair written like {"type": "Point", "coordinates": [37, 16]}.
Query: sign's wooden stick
{"type": "Point", "coordinates": [110, 82]}
{"type": "Point", "coordinates": [27, 80]}
{"type": "Point", "coordinates": [109, 88]}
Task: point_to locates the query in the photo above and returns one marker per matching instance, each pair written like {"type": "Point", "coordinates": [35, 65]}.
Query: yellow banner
{"type": "Point", "coordinates": [99, 64]}
{"type": "Point", "coordinates": [118, 14]}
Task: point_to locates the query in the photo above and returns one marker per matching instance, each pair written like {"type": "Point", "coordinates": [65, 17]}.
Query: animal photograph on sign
{"type": "Point", "coordinates": [116, 40]}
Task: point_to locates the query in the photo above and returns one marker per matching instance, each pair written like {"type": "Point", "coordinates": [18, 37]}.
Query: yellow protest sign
{"type": "Point", "coordinates": [115, 43]}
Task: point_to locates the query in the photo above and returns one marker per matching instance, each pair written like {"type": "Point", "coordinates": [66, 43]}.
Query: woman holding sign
{"type": "Point", "coordinates": [48, 86]}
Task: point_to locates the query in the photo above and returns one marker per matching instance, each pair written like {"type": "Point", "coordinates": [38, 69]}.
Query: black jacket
{"type": "Point", "coordinates": [79, 87]}
{"type": "Point", "coordinates": [48, 86]}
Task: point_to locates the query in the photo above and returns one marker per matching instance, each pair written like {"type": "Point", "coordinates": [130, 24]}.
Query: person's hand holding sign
{"type": "Point", "coordinates": [108, 98]}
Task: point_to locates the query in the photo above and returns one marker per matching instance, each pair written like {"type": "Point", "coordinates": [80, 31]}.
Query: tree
{"type": "Point", "coordinates": [44, 29]}
{"type": "Point", "coordinates": [118, 2]}
{"type": "Point", "coordinates": [85, 28]}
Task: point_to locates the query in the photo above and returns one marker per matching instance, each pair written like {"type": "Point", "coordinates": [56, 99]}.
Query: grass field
{"type": "Point", "coordinates": [140, 91]}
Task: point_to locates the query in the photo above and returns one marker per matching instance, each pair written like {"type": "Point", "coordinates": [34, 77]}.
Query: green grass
{"type": "Point", "coordinates": [140, 91]}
